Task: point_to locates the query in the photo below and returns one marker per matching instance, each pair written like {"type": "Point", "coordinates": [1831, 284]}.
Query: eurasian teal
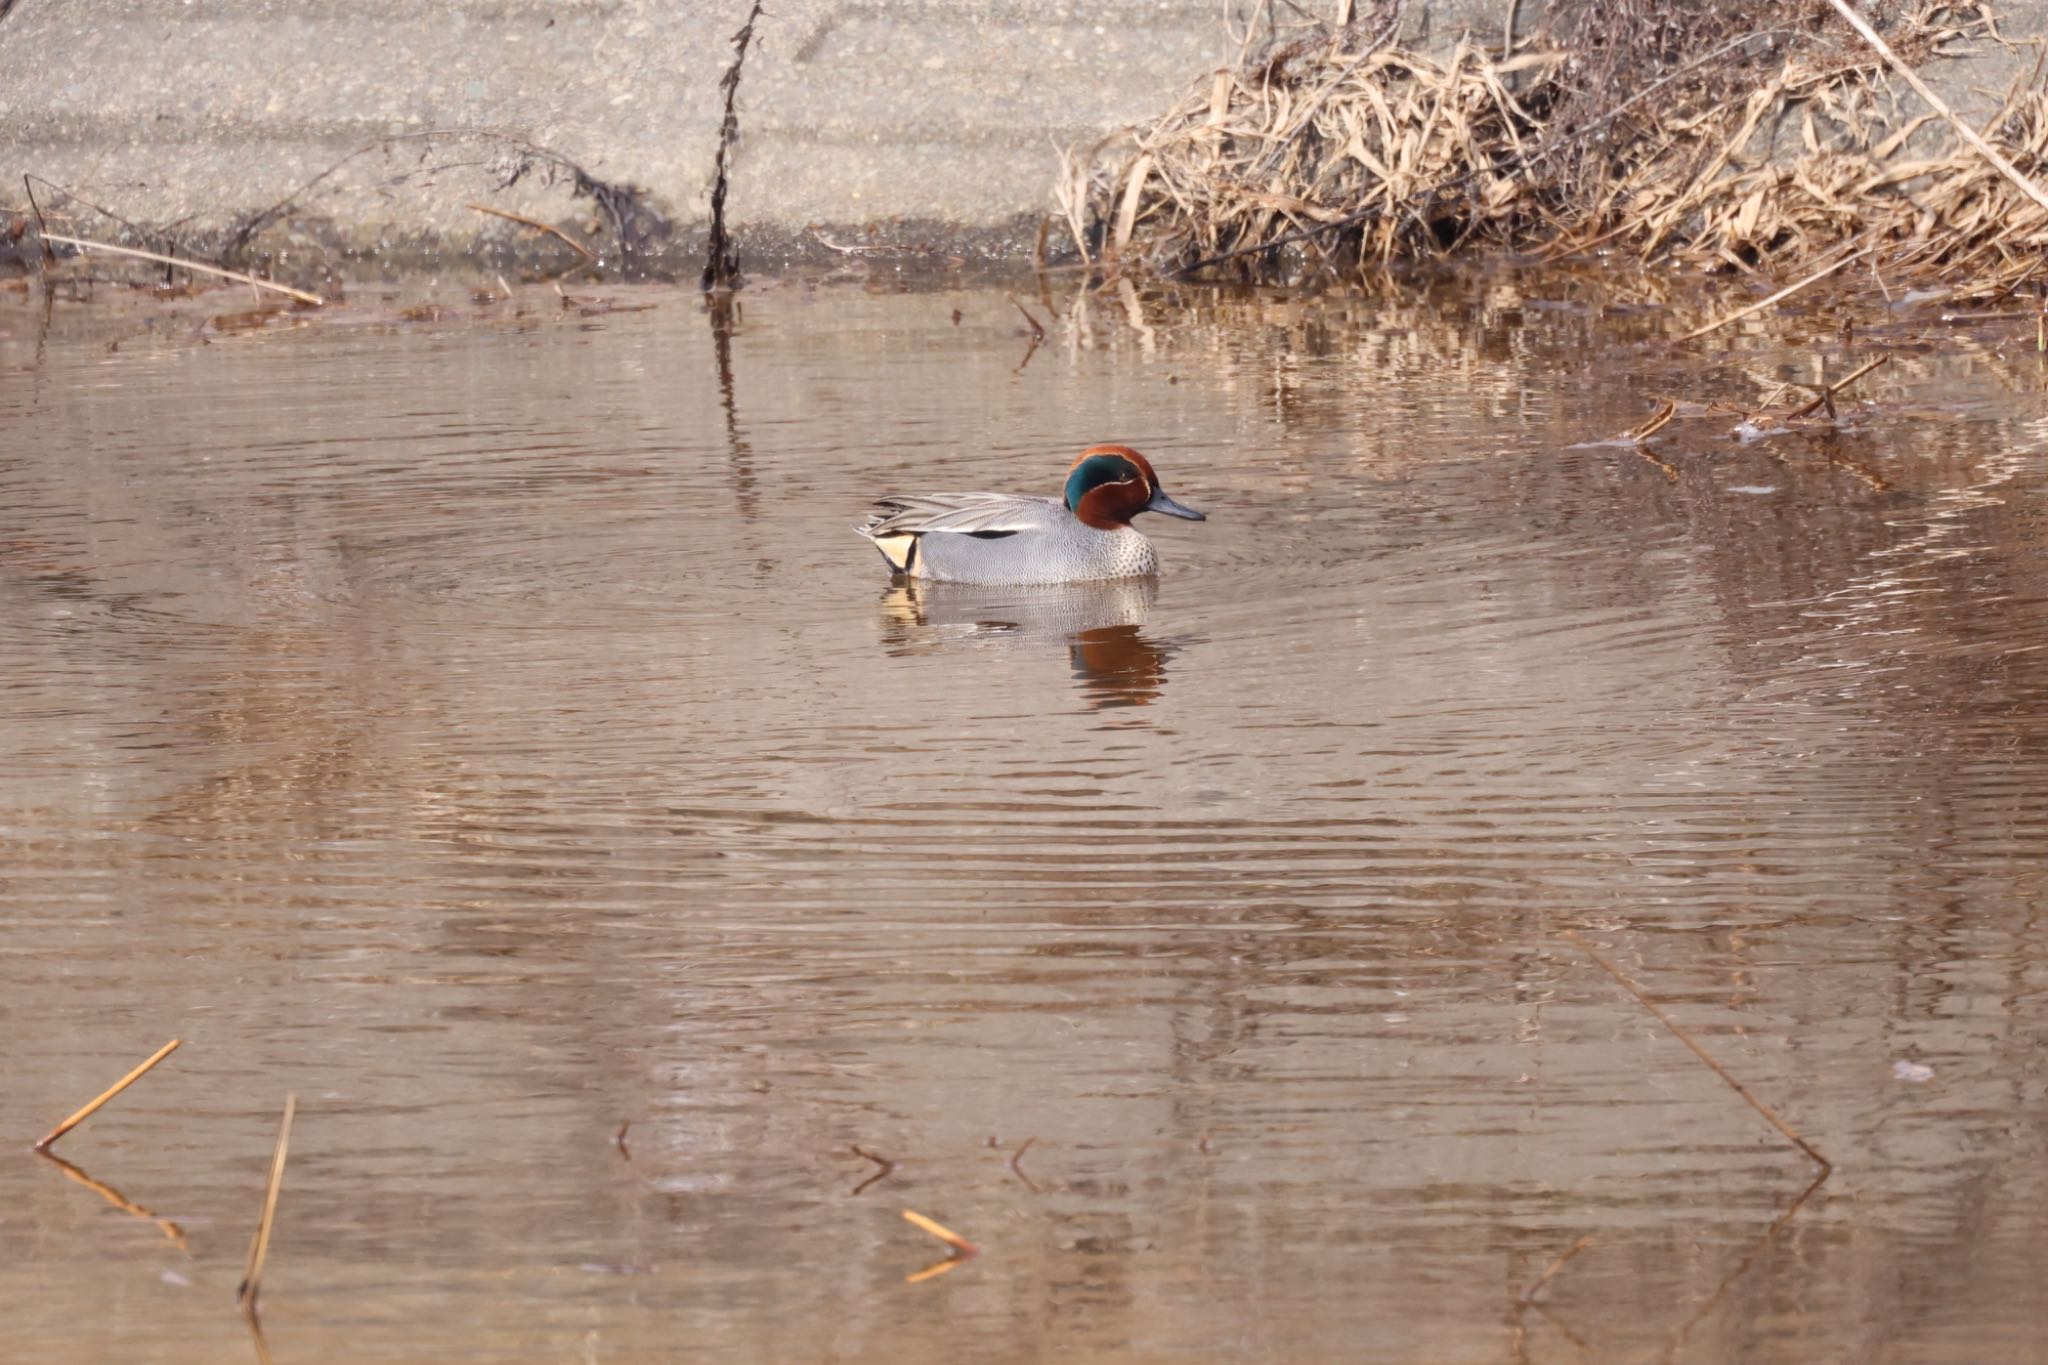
{"type": "Point", "coordinates": [1014, 539]}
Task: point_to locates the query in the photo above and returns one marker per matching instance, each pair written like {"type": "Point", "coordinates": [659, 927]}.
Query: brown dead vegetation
{"type": "Point", "coordinates": [1722, 136]}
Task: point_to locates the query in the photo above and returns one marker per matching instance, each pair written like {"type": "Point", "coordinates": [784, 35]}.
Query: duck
{"type": "Point", "coordinates": [1018, 539]}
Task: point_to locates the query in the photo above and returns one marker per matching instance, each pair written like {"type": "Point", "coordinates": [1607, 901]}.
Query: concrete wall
{"type": "Point", "coordinates": [946, 113]}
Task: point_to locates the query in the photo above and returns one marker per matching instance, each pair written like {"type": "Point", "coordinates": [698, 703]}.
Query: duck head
{"type": "Point", "coordinates": [1109, 485]}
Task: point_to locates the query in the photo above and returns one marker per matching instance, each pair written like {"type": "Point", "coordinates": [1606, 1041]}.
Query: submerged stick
{"type": "Point", "coordinates": [548, 228]}
{"type": "Point", "coordinates": [259, 1246]}
{"type": "Point", "coordinates": [1936, 103]}
{"type": "Point", "coordinates": [161, 259]}
{"type": "Point", "coordinates": [1672, 1024]}
{"type": "Point", "coordinates": [116, 1088]}
{"type": "Point", "coordinates": [1829, 392]}
{"type": "Point", "coordinates": [1787, 292]}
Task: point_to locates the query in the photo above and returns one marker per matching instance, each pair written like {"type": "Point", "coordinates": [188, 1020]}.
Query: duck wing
{"type": "Point", "coordinates": [915, 514]}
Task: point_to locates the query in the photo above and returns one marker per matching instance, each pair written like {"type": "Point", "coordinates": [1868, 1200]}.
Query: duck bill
{"type": "Point", "coordinates": [1161, 503]}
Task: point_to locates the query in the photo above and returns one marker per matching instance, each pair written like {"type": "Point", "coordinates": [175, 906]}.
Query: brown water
{"type": "Point", "coordinates": [490, 730]}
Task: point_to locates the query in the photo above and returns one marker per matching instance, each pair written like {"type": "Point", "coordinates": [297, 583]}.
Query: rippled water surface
{"type": "Point", "coordinates": [487, 728]}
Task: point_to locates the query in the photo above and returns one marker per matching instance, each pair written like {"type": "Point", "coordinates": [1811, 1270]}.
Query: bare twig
{"type": "Point", "coordinates": [1656, 422]}
{"type": "Point", "coordinates": [1037, 328]}
{"type": "Point", "coordinates": [942, 1232]}
{"type": "Point", "coordinates": [963, 1250]}
{"type": "Point", "coordinates": [259, 1246]}
{"type": "Point", "coordinates": [887, 1167]}
{"type": "Point", "coordinates": [1738, 1087]}
{"type": "Point", "coordinates": [548, 228]}
{"type": "Point", "coordinates": [299, 294]}
{"type": "Point", "coordinates": [43, 1144]}
{"type": "Point", "coordinates": [42, 228]}
{"type": "Point", "coordinates": [1787, 292]}
{"type": "Point", "coordinates": [1017, 1169]}
{"type": "Point", "coordinates": [721, 260]}
{"type": "Point", "coordinates": [1829, 392]}
{"type": "Point", "coordinates": [1518, 1344]}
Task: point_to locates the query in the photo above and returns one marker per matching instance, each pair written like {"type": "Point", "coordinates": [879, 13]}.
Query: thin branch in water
{"type": "Point", "coordinates": [942, 1232]}
{"type": "Point", "coordinates": [43, 1144]}
{"type": "Point", "coordinates": [1787, 292]}
{"type": "Point", "coordinates": [42, 228]}
{"type": "Point", "coordinates": [548, 228]}
{"type": "Point", "coordinates": [1018, 1170]}
{"type": "Point", "coordinates": [259, 1246]}
{"type": "Point", "coordinates": [1829, 392]}
{"type": "Point", "coordinates": [1519, 1346]}
{"type": "Point", "coordinates": [1679, 1033]}
{"type": "Point", "coordinates": [963, 1250]}
{"type": "Point", "coordinates": [1656, 422]}
{"type": "Point", "coordinates": [1037, 328]}
{"type": "Point", "coordinates": [301, 295]}
{"type": "Point", "coordinates": [888, 1167]}
{"type": "Point", "coordinates": [1549, 1274]}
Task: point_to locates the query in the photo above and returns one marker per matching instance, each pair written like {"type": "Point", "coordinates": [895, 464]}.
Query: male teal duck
{"type": "Point", "coordinates": [1013, 539]}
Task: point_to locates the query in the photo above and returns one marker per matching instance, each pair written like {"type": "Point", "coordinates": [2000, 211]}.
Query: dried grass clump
{"type": "Point", "coordinates": [1366, 140]}
{"type": "Point", "coordinates": [1725, 134]}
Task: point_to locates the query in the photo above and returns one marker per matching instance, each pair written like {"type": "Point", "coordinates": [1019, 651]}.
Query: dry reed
{"type": "Point", "coordinates": [942, 1232]}
{"type": "Point", "coordinates": [1769, 138]}
{"type": "Point", "coordinates": [259, 1246]}
{"type": "Point", "coordinates": [303, 296]}
{"type": "Point", "coordinates": [88, 1110]}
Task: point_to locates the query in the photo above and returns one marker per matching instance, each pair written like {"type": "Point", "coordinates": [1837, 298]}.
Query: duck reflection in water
{"type": "Point", "coordinates": [1115, 662]}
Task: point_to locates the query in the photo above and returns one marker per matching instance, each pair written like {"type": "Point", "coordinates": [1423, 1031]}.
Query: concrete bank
{"type": "Point", "coordinates": [377, 123]}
